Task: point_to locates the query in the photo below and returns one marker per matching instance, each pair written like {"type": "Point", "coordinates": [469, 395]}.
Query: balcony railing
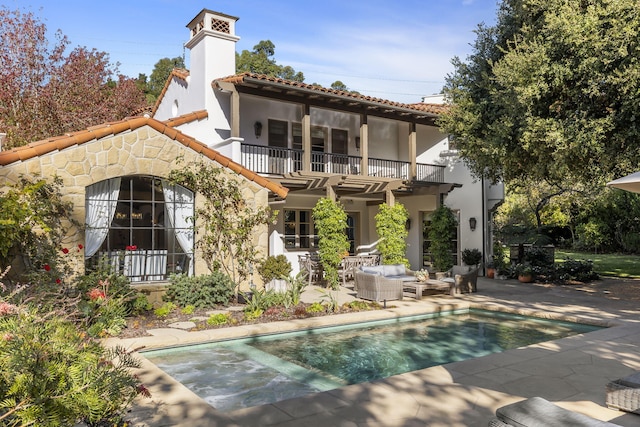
{"type": "Point", "coordinates": [279, 161]}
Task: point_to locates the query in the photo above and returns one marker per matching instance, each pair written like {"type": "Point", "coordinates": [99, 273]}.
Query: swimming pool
{"type": "Point", "coordinates": [254, 371]}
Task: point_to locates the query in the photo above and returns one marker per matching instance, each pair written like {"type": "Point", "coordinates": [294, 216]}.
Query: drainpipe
{"type": "Point", "coordinates": [484, 229]}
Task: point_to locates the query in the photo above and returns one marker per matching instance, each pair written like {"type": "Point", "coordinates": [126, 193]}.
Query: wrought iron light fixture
{"type": "Point", "coordinates": [257, 129]}
{"type": "Point", "coordinates": [473, 223]}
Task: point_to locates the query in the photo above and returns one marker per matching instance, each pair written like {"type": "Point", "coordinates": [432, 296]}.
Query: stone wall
{"type": "Point", "coordinates": [143, 151]}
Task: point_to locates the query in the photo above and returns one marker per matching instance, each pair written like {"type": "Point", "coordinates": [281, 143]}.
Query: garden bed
{"type": "Point", "coordinates": [138, 326]}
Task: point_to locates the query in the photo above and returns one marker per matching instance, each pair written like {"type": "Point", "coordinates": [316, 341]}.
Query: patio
{"type": "Point", "coordinates": [571, 372]}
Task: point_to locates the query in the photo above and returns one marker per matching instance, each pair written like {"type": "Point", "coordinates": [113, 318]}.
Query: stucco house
{"type": "Point", "coordinates": [291, 143]}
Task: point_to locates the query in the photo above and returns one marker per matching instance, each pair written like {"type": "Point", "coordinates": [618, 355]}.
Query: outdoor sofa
{"type": "Point", "coordinates": [382, 282]}
{"type": "Point", "coordinates": [538, 412]}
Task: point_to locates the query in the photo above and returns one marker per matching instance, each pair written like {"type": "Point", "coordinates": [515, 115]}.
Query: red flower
{"type": "Point", "coordinates": [65, 250]}
{"type": "Point", "coordinates": [58, 281]}
{"type": "Point", "coordinates": [6, 308]}
{"type": "Point", "coordinates": [143, 390]}
{"type": "Point", "coordinates": [47, 267]}
{"type": "Point", "coordinates": [95, 294]}
{"type": "Point", "coordinates": [80, 246]}
{"type": "Point", "coordinates": [131, 248]}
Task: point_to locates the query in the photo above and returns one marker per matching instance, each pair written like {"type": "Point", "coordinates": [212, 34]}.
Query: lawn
{"type": "Point", "coordinates": [618, 265]}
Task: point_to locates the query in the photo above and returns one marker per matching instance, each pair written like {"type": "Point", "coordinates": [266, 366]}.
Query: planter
{"type": "Point", "coordinates": [491, 273]}
{"type": "Point", "coordinates": [525, 278]}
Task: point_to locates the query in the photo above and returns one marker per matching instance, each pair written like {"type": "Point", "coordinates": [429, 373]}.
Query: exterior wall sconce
{"type": "Point", "coordinates": [257, 129]}
{"type": "Point", "coordinates": [472, 223]}
{"type": "Point", "coordinates": [407, 224]}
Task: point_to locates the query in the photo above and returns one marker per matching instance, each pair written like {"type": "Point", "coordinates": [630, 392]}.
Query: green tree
{"type": "Point", "coordinates": [551, 92]}
{"type": "Point", "coordinates": [161, 71]}
{"type": "Point", "coordinates": [260, 60]}
{"type": "Point", "coordinates": [225, 222]}
{"type": "Point", "coordinates": [391, 229]}
{"type": "Point", "coordinates": [338, 85]}
{"type": "Point", "coordinates": [330, 221]}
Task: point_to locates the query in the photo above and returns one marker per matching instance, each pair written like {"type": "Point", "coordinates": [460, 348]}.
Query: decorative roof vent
{"type": "Point", "coordinates": [208, 21]}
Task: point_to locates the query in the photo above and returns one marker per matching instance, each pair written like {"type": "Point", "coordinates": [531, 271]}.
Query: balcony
{"type": "Point", "coordinates": [282, 161]}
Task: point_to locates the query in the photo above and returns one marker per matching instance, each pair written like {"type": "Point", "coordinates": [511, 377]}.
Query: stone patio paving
{"type": "Point", "coordinates": [572, 372]}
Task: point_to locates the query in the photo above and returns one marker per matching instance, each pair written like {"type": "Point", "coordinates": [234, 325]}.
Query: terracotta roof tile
{"type": "Point", "coordinates": [46, 146]}
{"type": "Point", "coordinates": [422, 107]}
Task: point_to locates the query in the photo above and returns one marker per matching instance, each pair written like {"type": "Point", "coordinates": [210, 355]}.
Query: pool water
{"type": "Point", "coordinates": [255, 371]}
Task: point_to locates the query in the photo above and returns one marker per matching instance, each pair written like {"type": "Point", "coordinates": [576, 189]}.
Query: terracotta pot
{"type": "Point", "coordinates": [491, 273]}
{"type": "Point", "coordinates": [525, 279]}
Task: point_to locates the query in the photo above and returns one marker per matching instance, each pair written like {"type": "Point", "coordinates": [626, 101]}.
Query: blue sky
{"type": "Point", "coordinates": [399, 50]}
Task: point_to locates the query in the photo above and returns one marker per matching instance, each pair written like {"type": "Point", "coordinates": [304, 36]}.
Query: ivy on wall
{"type": "Point", "coordinates": [391, 228]}
{"type": "Point", "coordinates": [330, 221]}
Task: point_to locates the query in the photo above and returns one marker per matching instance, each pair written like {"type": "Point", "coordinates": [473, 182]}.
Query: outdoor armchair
{"type": "Point", "coordinates": [464, 278]}
{"type": "Point", "coordinates": [376, 287]}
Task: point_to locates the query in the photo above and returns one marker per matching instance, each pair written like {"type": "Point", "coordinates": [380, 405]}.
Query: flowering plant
{"type": "Point", "coordinates": [422, 275]}
{"type": "Point", "coordinates": [96, 294]}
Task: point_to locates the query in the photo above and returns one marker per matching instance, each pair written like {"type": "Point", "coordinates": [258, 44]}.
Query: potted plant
{"type": "Point", "coordinates": [491, 270]}
{"type": "Point", "coordinates": [471, 257]}
{"type": "Point", "coordinates": [524, 273]}
{"type": "Point", "coordinates": [274, 271]}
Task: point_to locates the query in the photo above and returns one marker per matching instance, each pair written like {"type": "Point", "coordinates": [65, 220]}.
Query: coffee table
{"type": "Point", "coordinates": [418, 287]}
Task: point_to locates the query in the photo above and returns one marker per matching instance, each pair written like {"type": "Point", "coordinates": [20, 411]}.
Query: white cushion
{"type": "Point", "coordinates": [394, 270]}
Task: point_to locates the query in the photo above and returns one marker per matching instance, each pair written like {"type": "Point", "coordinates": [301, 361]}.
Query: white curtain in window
{"type": "Point", "coordinates": [178, 204]}
{"type": "Point", "coordinates": [101, 203]}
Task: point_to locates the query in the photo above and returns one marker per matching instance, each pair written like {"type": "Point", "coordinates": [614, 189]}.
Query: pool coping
{"type": "Point", "coordinates": [173, 404]}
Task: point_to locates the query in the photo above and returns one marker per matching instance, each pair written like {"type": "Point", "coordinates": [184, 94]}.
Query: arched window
{"type": "Point", "coordinates": [141, 225]}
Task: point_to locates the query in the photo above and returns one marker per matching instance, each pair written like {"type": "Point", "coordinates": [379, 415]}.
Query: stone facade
{"type": "Point", "coordinates": [142, 151]}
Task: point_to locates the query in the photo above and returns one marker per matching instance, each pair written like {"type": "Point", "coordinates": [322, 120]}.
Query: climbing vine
{"type": "Point", "coordinates": [443, 226]}
{"type": "Point", "coordinates": [330, 221]}
{"type": "Point", "coordinates": [391, 229]}
{"type": "Point", "coordinates": [225, 222]}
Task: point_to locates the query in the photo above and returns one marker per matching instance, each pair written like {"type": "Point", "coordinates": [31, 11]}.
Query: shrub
{"type": "Point", "coordinates": [316, 307]}
{"type": "Point", "coordinates": [52, 374]}
{"type": "Point", "coordinates": [165, 309]}
{"type": "Point", "coordinates": [471, 257]}
{"type": "Point", "coordinates": [274, 267]}
{"type": "Point", "coordinates": [358, 305]}
{"type": "Point", "coordinates": [578, 270]}
{"type": "Point", "coordinates": [141, 304]}
{"type": "Point", "coordinates": [539, 257]}
{"type": "Point", "coordinates": [205, 291]}
{"type": "Point", "coordinates": [104, 307]}
{"type": "Point", "coordinates": [252, 315]}
{"type": "Point", "coordinates": [188, 309]}
{"type": "Point", "coordinates": [218, 319]}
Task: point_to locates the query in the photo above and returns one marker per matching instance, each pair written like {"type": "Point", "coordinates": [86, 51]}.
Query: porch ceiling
{"type": "Point", "coordinates": [288, 91]}
{"type": "Point", "coordinates": [366, 187]}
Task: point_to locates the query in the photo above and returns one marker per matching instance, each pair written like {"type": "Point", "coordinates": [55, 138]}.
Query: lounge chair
{"type": "Point", "coordinates": [538, 412]}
